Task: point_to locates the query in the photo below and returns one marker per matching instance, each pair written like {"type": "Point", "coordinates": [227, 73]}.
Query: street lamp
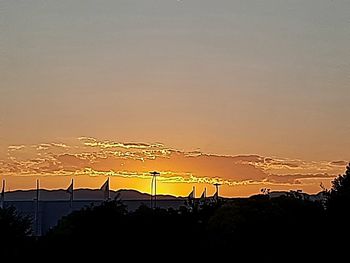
{"type": "Point", "coordinates": [154, 189]}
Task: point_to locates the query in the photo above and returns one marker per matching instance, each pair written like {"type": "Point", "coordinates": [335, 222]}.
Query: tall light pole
{"type": "Point", "coordinates": [154, 189]}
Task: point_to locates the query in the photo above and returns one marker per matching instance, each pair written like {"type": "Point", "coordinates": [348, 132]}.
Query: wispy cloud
{"type": "Point", "coordinates": [339, 163]}
{"type": "Point", "coordinates": [92, 142]}
{"type": "Point", "coordinates": [60, 145]}
{"type": "Point", "coordinates": [15, 147]}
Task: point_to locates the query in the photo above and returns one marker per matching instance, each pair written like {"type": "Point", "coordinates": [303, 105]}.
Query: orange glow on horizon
{"type": "Point", "coordinates": [143, 185]}
{"type": "Point", "coordinates": [90, 161]}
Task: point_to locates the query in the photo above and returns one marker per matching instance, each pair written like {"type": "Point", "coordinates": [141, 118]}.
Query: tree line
{"type": "Point", "coordinates": [259, 226]}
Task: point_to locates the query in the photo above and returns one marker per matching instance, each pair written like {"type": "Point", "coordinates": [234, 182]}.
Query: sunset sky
{"type": "Point", "coordinates": [250, 94]}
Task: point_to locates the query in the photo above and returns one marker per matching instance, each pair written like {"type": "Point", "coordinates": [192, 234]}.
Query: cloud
{"type": "Point", "coordinates": [252, 159]}
{"type": "Point", "coordinates": [296, 178]}
{"type": "Point", "coordinates": [90, 156]}
{"type": "Point", "coordinates": [281, 163]}
{"type": "Point", "coordinates": [42, 147]}
{"type": "Point", "coordinates": [70, 162]}
{"type": "Point", "coordinates": [166, 177]}
{"type": "Point", "coordinates": [60, 145]}
{"type": "Point", "coordinates": [48, 146]}
{"type": "Point", "coordinates": [15, 147]}
{"type": "Point", "coordinates": [339, 163]}
{"type": "Point", "coordinates": [92, 142]}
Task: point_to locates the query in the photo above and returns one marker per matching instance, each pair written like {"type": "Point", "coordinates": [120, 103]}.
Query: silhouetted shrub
{"type": "Point", "coordinates": [15, 231]}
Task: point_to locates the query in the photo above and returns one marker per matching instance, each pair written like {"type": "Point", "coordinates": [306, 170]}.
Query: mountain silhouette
{"type": "Point", "coordinates": [80, 194]}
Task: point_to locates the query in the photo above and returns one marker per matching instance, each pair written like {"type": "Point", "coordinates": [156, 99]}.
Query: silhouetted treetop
{"type": "Point", "coordinates": [13, 225]}
{"type": "Point", "coordinates": [14, 232]}
{"type": "Point", "coordinates": [341, 184]}
{"type": "Point", "coordinates": [339, 196]}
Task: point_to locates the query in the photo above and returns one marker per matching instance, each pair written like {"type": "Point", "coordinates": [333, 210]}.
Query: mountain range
{"type": "Point", "coordinates": [124, 194]}
{"type": "Point", "coordinates": [80, 194]}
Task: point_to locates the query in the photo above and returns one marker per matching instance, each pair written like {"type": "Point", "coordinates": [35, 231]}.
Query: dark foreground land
{"type": "Point", "coordinates": [260, 227]}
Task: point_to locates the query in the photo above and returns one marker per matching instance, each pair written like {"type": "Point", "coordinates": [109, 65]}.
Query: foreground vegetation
{"type": "Point", "coordinates": [290, 225]}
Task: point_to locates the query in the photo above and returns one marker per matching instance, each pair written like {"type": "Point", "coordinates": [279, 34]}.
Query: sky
{"type": "Point", "coordinates": [251, 94]}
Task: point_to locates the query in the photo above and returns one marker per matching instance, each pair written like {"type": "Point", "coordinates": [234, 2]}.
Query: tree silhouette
{"type": "Point", "coordinates": [268, 226]}
{"type": "Point", "coordinates": [89, 224]}
{"type": "Point", "coordinates": [338, 215]}
{"type": "Point", "coordinates": [14, 230]}
{"type": "Point", "coordinates": [338, 204]}
{"type": "Point", "coordinates": [259, 222]}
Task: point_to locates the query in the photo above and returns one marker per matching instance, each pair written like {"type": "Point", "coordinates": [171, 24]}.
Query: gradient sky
{"type": "Point", "coordinates": [248, 93]}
